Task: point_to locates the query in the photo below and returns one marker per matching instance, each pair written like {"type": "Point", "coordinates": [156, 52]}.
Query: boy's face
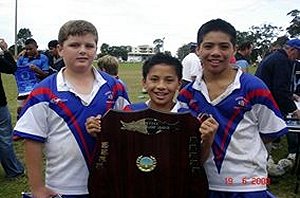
{"type": "Point", "coordinates": [54, 51]}
{"type": "Point", "coordinates": [161, 84]}
{"type": "Point", "coordinates": [79, 52]}
{"type": "Point", "coordinates": [31, 50]}
{"type": "Point", "coordinates": [215, 51]}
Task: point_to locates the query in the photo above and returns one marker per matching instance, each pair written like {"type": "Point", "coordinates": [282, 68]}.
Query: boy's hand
{"type": "Point", "coordinates": [43, 192]}
{"type": "Point", "coordinates": [38, 72]}
{"type": "Point", "coordinates": [3, 45]}
{"type": "Point", "coordinates": [34, 68]}
{"type": "Point", "coordinates": [208, 130]}
{"type": "Point", "coordinates": [93, 125]}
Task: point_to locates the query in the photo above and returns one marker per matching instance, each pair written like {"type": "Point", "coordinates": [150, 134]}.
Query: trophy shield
{"type": "Point", "coordinates": [148, 154]}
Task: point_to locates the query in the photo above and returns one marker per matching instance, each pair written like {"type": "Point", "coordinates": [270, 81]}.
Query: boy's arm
{"type": "Point", "coordinates": [34, 163]}
{"type": "Point", "coordinates": [40, 73]}
{"type": "Point", "coordinates": [8, 64]}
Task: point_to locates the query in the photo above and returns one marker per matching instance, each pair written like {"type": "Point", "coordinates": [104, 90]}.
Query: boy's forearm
{"type": "Point", "coordinates": [205, 151]}
{"type": "Point", "coordinates": [34, 164]}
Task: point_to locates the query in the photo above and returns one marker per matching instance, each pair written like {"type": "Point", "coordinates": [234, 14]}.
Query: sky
{"type": "Point", "coordinates": [139, 22]}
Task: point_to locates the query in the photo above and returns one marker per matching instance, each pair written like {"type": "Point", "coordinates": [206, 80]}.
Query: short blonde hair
{"type": "Point", "coordinates": [76, 28]}
{"type": "Point", "coordinates": [109, 64]}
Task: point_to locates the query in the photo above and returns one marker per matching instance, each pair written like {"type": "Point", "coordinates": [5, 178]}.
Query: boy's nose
{"type": "Point", "coordinates": [216, 50]}
{"type": "Point", "coordinates": [161, 84]}
{"type": "Point", "coordinates": [82, 49]}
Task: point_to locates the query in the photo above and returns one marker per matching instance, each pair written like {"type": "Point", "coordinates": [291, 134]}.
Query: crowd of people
{"type": "Point", "coordinates": [62, 97]}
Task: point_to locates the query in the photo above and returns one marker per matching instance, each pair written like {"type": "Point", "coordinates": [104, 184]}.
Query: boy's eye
{"type": "Point", "coordinates": [153, 79]}
{"type": "Point", "coordinates": [74, 45]}
{"type": "Point", "coordinates": [169, 80]}
{"type": "Point", "coordinates": [90, 46]}
{"type": "Point", "coordinates": [224, 47]}
{"type": "Point", "coordinates": [207, 46]}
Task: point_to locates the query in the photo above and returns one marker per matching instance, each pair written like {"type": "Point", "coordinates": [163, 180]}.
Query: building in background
{"type": "Point", "coordinates": [140, 53]}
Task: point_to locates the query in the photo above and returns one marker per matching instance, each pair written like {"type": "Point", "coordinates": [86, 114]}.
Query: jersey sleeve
{"type": "Point", "coordinates": [121, 96]}
{"type": "Point", "coordinates": [271, 123]}
{"type": "Point", "coordinates": [32, 123]}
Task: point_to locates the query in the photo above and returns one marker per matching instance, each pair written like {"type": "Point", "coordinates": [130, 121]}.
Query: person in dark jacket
{"type": "Point", "coordinates": [11, 165]}
{"type": "Point", "coordinates": [55, 61]}
{"type": "Point", "coordinates": [277, 71]}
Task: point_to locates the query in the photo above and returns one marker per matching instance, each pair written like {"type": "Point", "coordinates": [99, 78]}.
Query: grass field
{"type": "Point", "coordinates": [131, 74]}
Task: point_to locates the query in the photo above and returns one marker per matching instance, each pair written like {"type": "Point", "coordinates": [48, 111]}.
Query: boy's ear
{"type": "Point", "coordinates": [144, 83]}
{"type": "Point", "coordinates": [198, 50]}
{"type": "Point", "coordinates": [180, 83]}
{"type": "Point", "coordinates": [60, 49]}
{"type": "Point", "coordinates": [235, 47]}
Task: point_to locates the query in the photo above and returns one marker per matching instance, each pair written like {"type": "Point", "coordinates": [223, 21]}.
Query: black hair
{"type": "Point", "coordinates": [245, 45]}
{"type": "Point", "coordinates": [30, 41]}
{"type": "Point", "coordinates": [217, 25]}
{"type": "Point", "coordinates": [52, 44]}
{"type": "Point", "coordinates": [161, 58]}
{"type": "Point", "coordinates": [193, 47]}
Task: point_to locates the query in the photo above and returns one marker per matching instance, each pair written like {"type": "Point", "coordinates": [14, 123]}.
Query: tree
{"type": "Point", "coordinates": [22, 36]}
{"type": "Point", "coordinates": [264, 35]}
{"type": "Point", "coordinates": [294, 28]}
{"type": "Point", "coordinates": [261, 37]}
{"type": "Point", "coordinates": [183, 51]}
{"type": "Point", "coordinates": [104, 48]}
{"type": "Point", "coordinates": [117, 51]}
{"type": "Point", "coordinates": [168, 53]}
{"type": "Point", "coordinates": [158, 45]}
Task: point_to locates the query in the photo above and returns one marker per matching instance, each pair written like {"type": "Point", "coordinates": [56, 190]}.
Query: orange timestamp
{"type": "Point", "coordinates": [248, 181]}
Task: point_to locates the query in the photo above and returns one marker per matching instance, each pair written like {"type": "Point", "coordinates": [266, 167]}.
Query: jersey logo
{"type": "Point", "coordinates": [57, 100]}
{"type": "Point", "coordinates": [109, 95]}
{"type": "Point", "coordinates": [241, 103]}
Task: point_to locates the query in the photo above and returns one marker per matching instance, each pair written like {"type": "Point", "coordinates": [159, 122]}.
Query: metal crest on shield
{"type": "Point", "coordinates": [145, 163]}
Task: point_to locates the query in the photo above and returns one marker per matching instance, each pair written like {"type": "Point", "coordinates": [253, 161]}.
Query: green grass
{"type": "Point", "coordinates": [131, 74]}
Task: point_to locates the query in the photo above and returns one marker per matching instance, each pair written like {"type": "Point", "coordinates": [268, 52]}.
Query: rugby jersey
{"type": "Point", "coordinates": [55, 115]}
{"type": "Point", "coordinates": [247, 113]}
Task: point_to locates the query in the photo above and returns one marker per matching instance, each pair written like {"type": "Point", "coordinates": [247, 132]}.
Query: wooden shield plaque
{"type": "Point", "coordinates": [148, 154]}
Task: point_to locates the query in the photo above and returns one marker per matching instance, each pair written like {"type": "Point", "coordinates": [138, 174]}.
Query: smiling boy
{"type": "Point", "coordinates": [245, 110]}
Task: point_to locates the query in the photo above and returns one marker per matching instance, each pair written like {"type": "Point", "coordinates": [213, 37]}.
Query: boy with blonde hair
{"type": "Point", "coordinates": [54, 115]}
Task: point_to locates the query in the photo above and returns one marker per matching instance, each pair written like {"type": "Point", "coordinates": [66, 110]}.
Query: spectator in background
{"type": "Point", "coordinates": [191, 66]}
{"type": "Point", "coordinates": [110, 65]}
{"type": "Point", "coordinates": [242, 55]}
{"type": "Point", "coordinates": [277, 70]}
{"type": "Point", "coordinates": [55, 61]}
{"type": "Point", "coordinates": [32, 67]}
{"type": "Point", "coordinates": [11, 165]}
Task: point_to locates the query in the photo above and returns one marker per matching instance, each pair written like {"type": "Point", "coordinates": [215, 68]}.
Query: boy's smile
{"type": "Point", "coordinates": [161, 84]}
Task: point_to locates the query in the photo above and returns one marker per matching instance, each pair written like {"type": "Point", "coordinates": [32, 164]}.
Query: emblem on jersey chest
{"type": "Point", "coordinates": [241, 102]}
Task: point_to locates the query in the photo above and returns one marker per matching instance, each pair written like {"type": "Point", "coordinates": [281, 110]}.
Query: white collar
{"type": "Point", "coordinates": [62, 84]}
{"type": "Point", "coordinates": [200, 85]}
{"type": "Point", "coordinates": [173, 110]}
